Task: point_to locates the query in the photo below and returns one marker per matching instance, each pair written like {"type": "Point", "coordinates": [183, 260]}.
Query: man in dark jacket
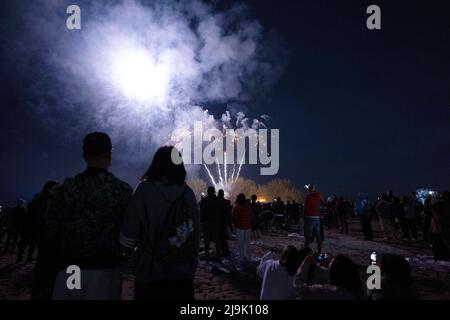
{"type": "Point", "coordinates": [225, 221]}
{"type": "Point", "coordinates": [210, 218]}
{"type": "Point", "coordinates": [27, 238]}
{"type": "Point", "coordinates": [83, 221]}
{"type": "Point", "coordinates": [14, 226]}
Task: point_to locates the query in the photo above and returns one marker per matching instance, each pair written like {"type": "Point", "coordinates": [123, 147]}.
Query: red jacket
{"type": "Point", "coordinates": [312, 205]}
{"type": "Point", "coordinates": [242, 216]}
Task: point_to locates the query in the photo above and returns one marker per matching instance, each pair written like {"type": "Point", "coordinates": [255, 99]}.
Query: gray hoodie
{"type": "Point", "coordinates": [149, 204]}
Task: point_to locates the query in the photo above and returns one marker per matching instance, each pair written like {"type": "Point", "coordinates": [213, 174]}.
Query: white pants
{"type": "Point", "coordinates": [243, 237]}
{"type": "Point", "coordinates": [95, 285]}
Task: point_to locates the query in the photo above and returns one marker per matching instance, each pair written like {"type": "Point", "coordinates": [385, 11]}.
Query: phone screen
{"type": "Point", "coordinates": [373, 257]}
{"type": "Point", "coordinates": [322, 257]}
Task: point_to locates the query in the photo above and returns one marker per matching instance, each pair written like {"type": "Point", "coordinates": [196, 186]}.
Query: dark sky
{"type": "Point", "coordinates": [358, 110]}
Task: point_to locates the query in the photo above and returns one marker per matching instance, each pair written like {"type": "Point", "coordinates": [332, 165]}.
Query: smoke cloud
{"type": "Point", "coordinates": [187, 55]}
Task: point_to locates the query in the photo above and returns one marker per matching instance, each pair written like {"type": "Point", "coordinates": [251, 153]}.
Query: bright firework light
{"type": "Point", "coordinates": [139, 75]}
{"type": "Point", "coordinates": [156, 69]}
{"type": "Point", "coordinates": [140, 70]}
{"type": "Point", "coordinates": [423, 193]}
{"type": "Point", "coordinates": [141, 78]}
{"type": "Point", "coordinates": [223, 180]}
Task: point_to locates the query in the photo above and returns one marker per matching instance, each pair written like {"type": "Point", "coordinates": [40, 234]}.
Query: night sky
{"type": "Point", "coordinates": [358, 110]}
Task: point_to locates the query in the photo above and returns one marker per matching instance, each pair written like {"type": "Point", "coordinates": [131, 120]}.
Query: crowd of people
{"type": "Point", "coordinates": [96, 221]}
{"type": "Point", "coordinates": [302, 274]}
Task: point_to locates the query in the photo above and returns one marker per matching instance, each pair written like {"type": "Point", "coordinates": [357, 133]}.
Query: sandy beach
{"type": "Point", "coordinates": [223, 281]}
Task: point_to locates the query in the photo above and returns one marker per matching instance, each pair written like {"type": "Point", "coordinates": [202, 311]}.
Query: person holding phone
{"type": "Point", "coordinates": [344, 282]}
{"type": "Point", "coordinates": [278, 274]}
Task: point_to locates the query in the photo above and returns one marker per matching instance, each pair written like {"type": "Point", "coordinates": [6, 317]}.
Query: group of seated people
{"type": "Point", "coordinates": [302, 274]}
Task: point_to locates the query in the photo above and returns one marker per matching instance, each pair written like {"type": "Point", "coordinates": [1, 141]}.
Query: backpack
{"type": "Point", "coordinates": [175, 242]}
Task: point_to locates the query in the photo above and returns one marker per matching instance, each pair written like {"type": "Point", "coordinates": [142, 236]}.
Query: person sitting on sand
{"type": "Point", "coordinates": [344, 282]}
{"type": "Point", "coordinates": [278, 275]}
{"type": "Point", "coordinates": [396, 280]}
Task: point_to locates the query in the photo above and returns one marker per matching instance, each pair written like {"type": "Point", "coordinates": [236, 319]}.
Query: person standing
{"type": "Point", "coordinates": [162, 227]}
{"type": "Point", "coordinates": [14, 226]}
{"type": "Point", "coordinates": [363, 211]}
{"type": "Point", "coordinates": [3, 213]}
{"type": "Point", "coordinates": [28, 234]}
{"type": "Point", "coordinates": [211, 217]}
{"type": "Point", "coordinates": [295, 212]}
{"type": "Point", "coordinates": [312, 218]}
{"type": "Point", "coordinates": [256, 219]}
{"type": "Point", "coordinates": [280, 208]}
{"type": "Point", "coordinates": [289, 213]}
{"type": "Point", "coordinates": [343, 208]}
{"type": "Point", "coordinates": [45, 271]}
{"type": "Point", "coordinates": [409, 221]}
{"type": "Point", "coordinates": [83, 224]}
{"type": "Point", "coordinates": [225, 221]}
{"type": "Point", "coordinates": [384, 211]}
{"type": "Point", "coordinates": [329, 213]}
{"type": "Point", "coordinates": [242, 220]}
{"type": "Point", "coordinates": [440, 228]}
{"type": "Point", "coordinates": [267, 216]}
{"type": "Point", "coordinates": [427, 217]}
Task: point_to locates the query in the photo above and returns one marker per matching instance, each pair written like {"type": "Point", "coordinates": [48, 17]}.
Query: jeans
{"type": "Point", "coordinates": [312, 229]}
{"type": "Point", "coordinates": [243, 237]}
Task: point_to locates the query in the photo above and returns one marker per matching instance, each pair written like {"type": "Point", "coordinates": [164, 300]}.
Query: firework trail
{"type": "Point", "coordinates": [222, 181]}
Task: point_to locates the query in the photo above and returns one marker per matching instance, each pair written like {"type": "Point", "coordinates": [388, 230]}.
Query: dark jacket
{"type": "Point", "coordinates": [83, 220]}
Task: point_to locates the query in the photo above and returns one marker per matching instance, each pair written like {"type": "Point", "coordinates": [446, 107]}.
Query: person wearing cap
{"type": "Point", "coordinates": [83, 223]}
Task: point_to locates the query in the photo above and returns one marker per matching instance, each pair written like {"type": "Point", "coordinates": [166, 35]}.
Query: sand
{"type": "Point", "coordinates": [223, 281]}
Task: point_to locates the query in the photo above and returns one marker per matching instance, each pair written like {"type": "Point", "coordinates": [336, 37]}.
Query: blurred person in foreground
{"type": "Point", "coordinates": [83, 225]}
{"type": "Point", "coordinates": [161, 229]}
